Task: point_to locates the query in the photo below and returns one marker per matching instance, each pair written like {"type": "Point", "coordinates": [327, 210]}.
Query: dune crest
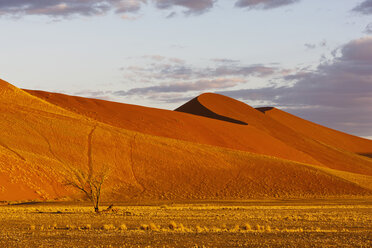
{"type": "Point", "coordinates": [196, 108]}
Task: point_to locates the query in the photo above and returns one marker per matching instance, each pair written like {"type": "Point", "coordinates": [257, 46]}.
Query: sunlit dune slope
{"type": "Point", "coordinates": [177, 125]}
{"type": "Point", "coordinates": [325, 153]}
{"type": "Point", "coordinates": [40, 142]}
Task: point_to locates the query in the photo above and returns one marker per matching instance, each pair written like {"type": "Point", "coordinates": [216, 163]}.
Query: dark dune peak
{"type": "Point", "coordinates": [264, 109]}
{"type": "Point", "coordinates": [368, 155]}
{"type": "Point", "coordinates": [196, 108]}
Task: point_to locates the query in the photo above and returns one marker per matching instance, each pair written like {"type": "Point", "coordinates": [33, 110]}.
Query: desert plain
{"type": "Point", "coordinates": [267, 223]}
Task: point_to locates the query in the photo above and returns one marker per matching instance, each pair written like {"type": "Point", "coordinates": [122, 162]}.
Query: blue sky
{"type": "Point", "coordinates": [312, 58]}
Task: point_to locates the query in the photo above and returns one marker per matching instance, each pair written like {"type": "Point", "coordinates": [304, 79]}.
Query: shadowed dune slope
{"type": "Point", "coordinates": [194, 107]}
{"type": "Point", "coordinates": [40, 142]}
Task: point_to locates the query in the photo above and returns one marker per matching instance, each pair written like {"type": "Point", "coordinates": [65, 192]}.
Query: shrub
{"type": "Point", "coordinates": [173, 225]}
{"type": "Point", "coordinates": [154, 227]}
{"type": "Point", "coordinates": [108, 227]}
{"type": "Point", "coordinates": [235, 229]}
{"type": "Point", "coordinates": [199, 229]}
{"type": "Point", "coordinates": [181, 228]}
{"type": "Point", "coordinates": [144, 227]}
{"type": "Point", "coordinates": [87, 227]}
{"type": "Point", "coordinates": [260, 228]}
{"type": "Point", "coordinates": [246, 227]}
{"type": "Point", "coordinates": [70, 227]}
{"type": "Point", "coordinates": [123, 227]}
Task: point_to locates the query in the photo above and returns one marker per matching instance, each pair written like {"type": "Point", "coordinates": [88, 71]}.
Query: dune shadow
{"type": "Point", "coordinates": [196, 108]}
{"type": "Point", "coordinates": [264, 109]}
{"type": "Point", "coordinates": [368, 155]}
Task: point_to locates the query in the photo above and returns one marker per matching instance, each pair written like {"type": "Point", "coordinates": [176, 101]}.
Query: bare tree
{"type": "Point", "coordinates": [88, 182]}
{"type": "Point", "coordinates": [89, 179]}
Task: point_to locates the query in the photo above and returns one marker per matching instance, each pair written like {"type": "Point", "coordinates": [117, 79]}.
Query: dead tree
{"type": "Point", "coordinates": [88, 182]}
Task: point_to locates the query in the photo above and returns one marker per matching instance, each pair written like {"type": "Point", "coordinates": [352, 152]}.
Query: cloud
{"type": "Point", "coordinates": [311, 46]}
{"type": "Point", "coordinates": [364, 7]}
{"type": "Point", "coordinates": [66, 8]}
{"type": "Point", "coordinates": [191, 6]}
{"type": "Point", "coordinates": [263, 4]}
{"type": "Point", "coordinates": [160, 58]}
{"type": "Point", "coordinates": [199, 85]}
{"type": "Point", "coordinates": [225, 61]}
{"type": "Point", "coordinates": [168, 79]}
{"type": "Point", "coordinates": [337, 94]}
{"type": "Point", "coordinates": [368, 29]}
{"type": "Point", "coordinates": [176, 69]}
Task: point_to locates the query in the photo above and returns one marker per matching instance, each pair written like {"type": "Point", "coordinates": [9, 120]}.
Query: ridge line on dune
{"type": "Point", "coordinates": [11, 150]}
{"type": "Point", "coordinates": [195, 107]}
{"type": "Point", "coordinates": [89, 152]}
{"type": "Point", "coordinates": [48, 143]}
{"type": "Point", "coordinates": [343, 175]}
{"type": "Point", "coordinates": [132, 164]}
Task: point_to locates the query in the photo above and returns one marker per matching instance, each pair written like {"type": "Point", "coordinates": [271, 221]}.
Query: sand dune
{"type": "Point", "coordinates": [320, 146]}
{"type": "Point", "coordinates": [159, 154]}
{"type": "Point", "coordinates": [320, 133]}
{"type": "Point", "coordinates": [177, 125]}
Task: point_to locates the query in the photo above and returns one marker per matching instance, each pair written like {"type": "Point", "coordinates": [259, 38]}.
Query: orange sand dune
{"type": "Point", "coordinates": [43, 136]}
{"type": "Point", "coordinates": [177, 125]}
{"type": "Point", "coordinates": [320, 133]}
{"type": "Point", "coordinates": [324, 153]}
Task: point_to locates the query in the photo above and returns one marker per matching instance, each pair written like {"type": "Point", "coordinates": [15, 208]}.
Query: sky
{"type": "Point", "coordinates": [311, 58]}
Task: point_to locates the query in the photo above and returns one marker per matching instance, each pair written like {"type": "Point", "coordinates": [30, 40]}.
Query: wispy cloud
{"type": "Point", "coordinates": [67, 8]}
{"type": "Point", "coordinates": [368, 29]}
{"type": "Point", "coordinates": [167, 75]}
{"type": "Point", "coordinates": [199, 85]}
{"type": "Point", "coordinates": [177, 69]}
{"type": "Point", "coordinates": [263, 4]}
{"type": "Point", "coordinates": [314, 45]}
{"type": "Point", "coordinates": [191, 6]}
{"type": "Point", "coordinates": [169, 79]}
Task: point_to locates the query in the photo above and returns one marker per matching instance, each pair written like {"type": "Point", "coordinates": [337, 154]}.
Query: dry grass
{"type": "Point", "coordinates": [187, 225]}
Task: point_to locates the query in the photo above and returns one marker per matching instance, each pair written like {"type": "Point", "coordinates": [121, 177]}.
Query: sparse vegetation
{"type": "Point", "coordinates": [123, 227]}
{"type": "Point", "coordinates": [108, 227]}
{"type": "Point", "coordinates": [190, 225]}
{"type": "Point", "coordinates": [173, 225]}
